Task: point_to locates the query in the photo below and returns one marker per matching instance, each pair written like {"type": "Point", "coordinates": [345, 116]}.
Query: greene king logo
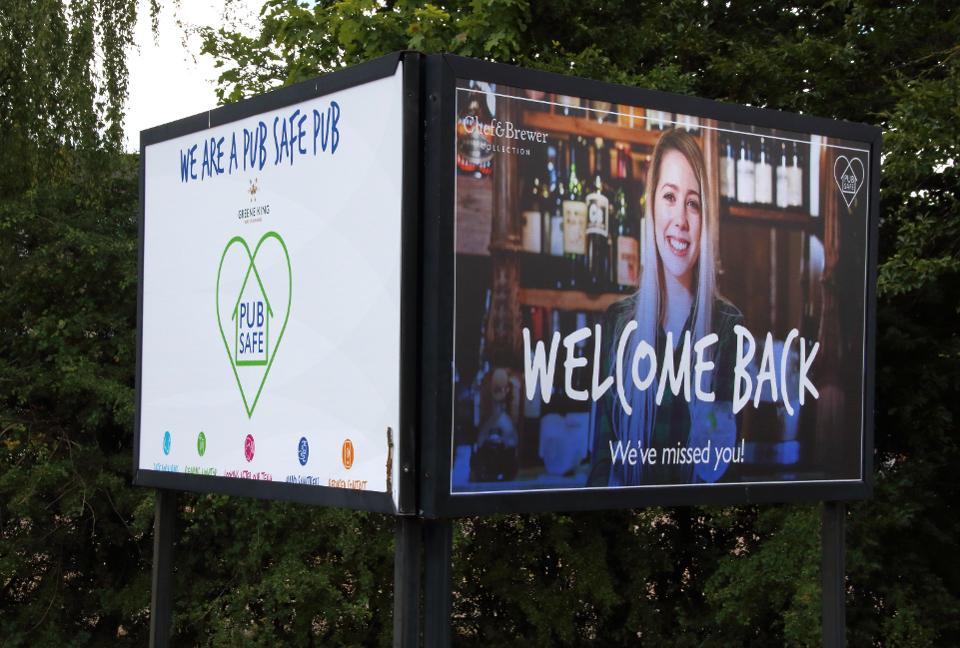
{"type": "Point", "coordinates": [253, 296]}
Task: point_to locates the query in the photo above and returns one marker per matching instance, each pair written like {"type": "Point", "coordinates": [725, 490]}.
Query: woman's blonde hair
{"type": "Point", "coordinates": [650, 303]}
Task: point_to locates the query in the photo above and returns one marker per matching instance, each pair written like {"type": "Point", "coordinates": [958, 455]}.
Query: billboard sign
{"type": "Point", "coordinates": [437, 286]}
{"type": "Point", "coordinates": [655, 299]}
{"type": "Point", "coordinates": [271, 295]}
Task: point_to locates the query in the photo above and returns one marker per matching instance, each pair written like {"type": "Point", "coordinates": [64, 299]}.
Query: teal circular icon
{"type": "Point", "coordinates": [166, 442]}
{"type": "Point", "coordinates": [201, 443]}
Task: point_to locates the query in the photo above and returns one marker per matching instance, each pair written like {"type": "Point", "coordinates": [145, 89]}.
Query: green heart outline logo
{"type": "Point", "coordinates": [249, 407]}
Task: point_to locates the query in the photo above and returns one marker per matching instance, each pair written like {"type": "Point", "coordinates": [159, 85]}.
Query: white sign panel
{"type": "Point", "coordinates": [271, 295]}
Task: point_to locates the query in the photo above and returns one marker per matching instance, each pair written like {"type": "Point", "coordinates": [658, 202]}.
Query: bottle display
{"type": "Point", "coordinates": [746, 179]}
{"type": "Point", "coordinates": [728, 172]}
{"type": "Point", "coordinates": [554, 202]}
{"type": "Point", "coordinates": [598, 230]}
{"type": "Point", "coordinates": [602, 111]}
{"type": "Point", "coordinates": [569, 106]}
{"type": "Point", "coordinates": [783, 182]}
{"type": "Point", "coordinates": [628, 247]}
{"type": "Point", "coordinates": [575, 218]}
{"type": "Point", "coordinates": [532, 218]}
{"type": "Point", "coordinates": [795, 180]}
{"type": "Point", "coordinates": [659, 119]}
{"type": "Point", "coordinates": [763, 175]}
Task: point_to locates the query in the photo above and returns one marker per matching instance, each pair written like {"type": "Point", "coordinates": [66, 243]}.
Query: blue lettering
{"type": "Point", "coordinates": [233, 163]}
{"type": "Point", "coordinates": [336, 133]}
{"type": "Point", "coordinates": [262, 130]}
{"type": "Point", "coordinates": [220, 156]}
{"type": "Point", "coordinates": [184, 166]}
{"type": "Point", "coordinates": [205, 167]}
{"type": "Point", "coordinates": [284, 141]}
{"type": "Point", "coordinates": [248, 149]}
{"type": "Point", "coordinates": [276, 142]}
{"type": "Point", "coordinates": [259, 314]}
{"type": "Point", "coordinates": [324, 131]}
{"type": "Point", "coordinates": [193, 162]}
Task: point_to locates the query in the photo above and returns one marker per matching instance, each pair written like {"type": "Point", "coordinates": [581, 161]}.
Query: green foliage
{"type": "Point", "coordinates": [75, 538]}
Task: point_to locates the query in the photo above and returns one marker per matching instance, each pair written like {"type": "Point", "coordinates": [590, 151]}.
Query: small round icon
{"type": "Point", "coordinates": [201, 443]}
{"type": "Point", "coordinates": [346, 453]}
{"type": "Point", "coordinates": [248, 447]}
{"type": "Point", "coordinates": [303, 451]}
{"type": "Point", "coordinates": [166, 442]}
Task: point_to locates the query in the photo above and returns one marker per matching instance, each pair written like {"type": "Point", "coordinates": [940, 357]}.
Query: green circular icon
{"type": "Point", "coordinates": [201, 443]}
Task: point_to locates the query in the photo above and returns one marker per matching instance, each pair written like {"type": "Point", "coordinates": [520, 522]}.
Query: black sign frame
{"type": "Point", "coordinates": [436, 401]}
{"type": "Point", "coordinates": [405, 438]}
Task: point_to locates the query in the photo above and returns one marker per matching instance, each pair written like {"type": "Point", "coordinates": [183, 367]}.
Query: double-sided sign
{"type": "Point", "coordinates": [434, 286]}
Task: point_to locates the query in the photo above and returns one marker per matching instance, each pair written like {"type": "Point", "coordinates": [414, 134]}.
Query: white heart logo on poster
{"type": "Point", "coordinates": [849, 174]}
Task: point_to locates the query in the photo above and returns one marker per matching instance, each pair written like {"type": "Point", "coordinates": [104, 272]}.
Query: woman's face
{"type": "Point", "coordinates": [677, 217]}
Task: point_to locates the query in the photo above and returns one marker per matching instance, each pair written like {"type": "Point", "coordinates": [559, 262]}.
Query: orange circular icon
{"type": "Point", "coordinates": [346, 454]}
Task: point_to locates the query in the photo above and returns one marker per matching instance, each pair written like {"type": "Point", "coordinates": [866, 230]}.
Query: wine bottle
{"type": "Point", "coordinates": [728, 172]}
{"type": "Point", "coordinates": [532, 239]}
{"type": "Point", "coordinates": [555, 205]}
{"type": "Point", "coordinates": [569, 106]}
{"type": "Point", "coordinates": [746, 182]}
{"type": "Point", "coordinates": [783, 182]}
{"type": "Point", "coordinates": [602, 110]}
{"type": "Point", "coordinates": [598, 226]}
{"type": "Point", "coordinates": [795, 180]}
{"type": "Point", "coordinates": [628, 247]}
{"type": "Point", "coordinates": [763, 175]}
{"type": "Point", "coordinates": [575, 219]}
{"type": "Point", "coordinates": [658, 119]}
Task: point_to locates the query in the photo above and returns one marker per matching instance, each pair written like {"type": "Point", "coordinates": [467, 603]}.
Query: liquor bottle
{"type": "Point", "coordinates": [795, 180]}
{"type": "Point", "coordinates": [555, 202]}
{"type": "Point", "coordinates": [658, 119]}
{"type": "Point", "coordinates": [598, 226]}
{"type": "Point", "coordinates": [532, 218]}
{"type": "Point", "coordinates": [783, 183]}
{"type": "Point", "coordinates": [689, 123]}
{"type": "Point", "coordinates": [728, 172]}
{"type": "Point", "coordinates": [474, 148]}
{"type": "Point", "coordinates": [602, 111]}
{"type": "Point", "coordinates": [763, 174]}
{"type": "Point", "coordinates": [746, 182]}
{"type": "Point", "coordinates": [628, 248]}
{"type": "Point", "coordinates": [545, 211]}
{"type": "Point", "coordinates": [569, 106]}
{"type": "Point", "coordinates": [575, 219]}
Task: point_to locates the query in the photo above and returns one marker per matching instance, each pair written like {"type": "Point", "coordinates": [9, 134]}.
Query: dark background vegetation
{"type": "Point", "coordinates": [75, 537]}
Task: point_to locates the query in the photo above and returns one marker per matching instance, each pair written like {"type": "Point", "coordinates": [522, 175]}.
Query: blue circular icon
{"type": "Point", "coordinates": [166, 442]}
{"type": "Point", "coordinates": [303, 451]}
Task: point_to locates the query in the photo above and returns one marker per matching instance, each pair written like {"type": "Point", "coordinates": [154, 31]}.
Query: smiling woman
{"type": "Point", "coordinates": [677, 295]}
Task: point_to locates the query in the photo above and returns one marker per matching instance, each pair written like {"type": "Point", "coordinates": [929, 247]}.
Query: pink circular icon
{"type": "Point", "coordinates": [248, 447]}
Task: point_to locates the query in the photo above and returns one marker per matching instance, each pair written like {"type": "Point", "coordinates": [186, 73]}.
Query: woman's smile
{"type": "Point", "coordinates": [678, 246]}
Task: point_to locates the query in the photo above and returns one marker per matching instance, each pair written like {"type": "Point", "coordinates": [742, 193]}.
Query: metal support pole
{"type": "Point", "coordinates": [832, 575]}
{"type": "Point", "coordinates": [406, 583]}
{"type": "Point", "coordinates": [160, 593]}
{"type": "Point", "coordinates": [438, 549]}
